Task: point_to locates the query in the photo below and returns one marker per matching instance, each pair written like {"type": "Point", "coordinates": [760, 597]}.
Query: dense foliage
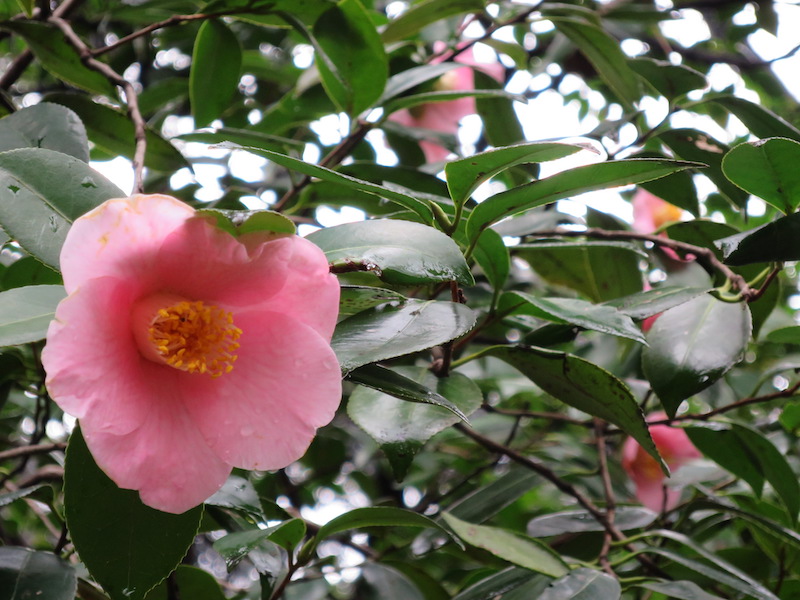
{"type": "Point", "coordinates": [521, 370]}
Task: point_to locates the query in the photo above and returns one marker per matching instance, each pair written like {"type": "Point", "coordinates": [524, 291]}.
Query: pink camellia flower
{"type": "Point", "coordinates": [650, 212]}
{"type": "Point", "coordinates": [676, 449]}
{"type": "Point", "coordinates": [446, 116]}
{"type": "Point", "coordinates": [185, 351]}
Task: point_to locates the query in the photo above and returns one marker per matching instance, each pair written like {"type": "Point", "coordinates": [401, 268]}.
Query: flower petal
{"type": "Point", "coordinates": [94, 369]}
{"type": "Point", "coordinates": [120, 238]}
{"type": "Point", "coordinates": [285, 384]}
{"type": "Point", "coordinates": [166, 458]}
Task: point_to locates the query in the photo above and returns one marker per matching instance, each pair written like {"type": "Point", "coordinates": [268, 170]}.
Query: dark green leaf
{"type": "Point", "coordinates": [239, 222]}
{"type": "Point", "coordinates": [128, 547]}
{"type": "Point", "coordinates": [500, 121]}
{"type": "Point", "coordinates": [652, 302]}
{"type": "Point", "coordinates": [214, 75]}
{"type": "Point", "coordinates": [767, 169]}
{"type": "Point", "coordinates": [411, 78]}
{"type": "Point", "coordinates": [244, 137]}
{"type": "Point", "coordinates": [374, 335]}
{"type": "Point", "coordinates": [785, 335]}
{"type": "Point", "coordinates": [424, 13]}
{"type": "Point", "coordinates": [684, 590]}
{"type": "Point", "coordinates": [760, 120]}
{"type": "Point", "coordinates": [582, 385]}
{"type": "Point", "coordinates": [353, 299]}
{"type": "Point", "coordinates": [670, 80]}
{"type": "Point", "coordinates": [583, 584]}
{"type": "Point", "coordinates": [569, 183]}
{"type": "Point", "coordinates": [42, 192]}
{"type": "Point", "coordinates": [238, 493]}
{"type": "Point", "coordinates": [351, 61]}
{"type": "Point", "coordinates": [376, 516]}
{"type": "Point", "coordinates": [496, 586]}
{"type": "Point", "coordinates": [692, 345]}
{"type": "Point", "coordinates": [47, 126]}
{"type": "Point", "coordinates": [485, 502]}
{"type": "Point", "coordinates": [400, 252]}
{"type": "Point", "coordinates": [26, 312]}
{"type": "Point", "coordinates": [777, 241]}
{"type": "Point", "coordinates": [190, 582]}
{"type": "Point", "coordinates": [465, 175]}
{"type": "Point", "coordinates": [515, 548]}
{"type": "Point", "coordinates": [112, 132]}
{"type": "Point", "coordinates": [57, 56]}
{"type": "Point", "coordinates": [580, 521]}
{"type": "Point", "coordinates": [492, 256]}
{"type": "Point", "coordinates": [387, 583]}
{"type": "Point", "coordinates": [28, 575]}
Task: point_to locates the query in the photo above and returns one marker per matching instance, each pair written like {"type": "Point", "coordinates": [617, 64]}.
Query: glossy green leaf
{"type": "Point", "coordinates": [9, 497]}
{"type": "Point", "coordinates": [492, 256]}
{"type": "Point", "coordinates": [582, 385]}
{"type": "Point", "coordinates": [401, 426]}
{"type": "Point", "coordinates": [57, 56]}
{"type": "Point", "coordinates": [767, 169]}
{"type": "Point", "coordinates": [239, 222]}
{"type": "Point", "coordinates": [42, 192]}
{"type": "Point", "coordinates": [694, 145]}
{"type": "Point", "coordinates": [190, 582]}
{"type": "Point", "coordinates": [128, 547]}
{"type": "Point", "coordinates": [400, 252]}
{"type": "Point", "coordinates": [419, 207]}
{"type": "Point", "coordinates": [777, 241]}
{"type": "Point", "coordinates": [377, 334]}
{"type": "Point", "coordinates": [353, 299]}
{"type": "Point", "coordinates": [486, 501]}
{"type": "Point", "coordinates": [47, 126]}
{"type": "Point", "coordinates": [266, 555]}
{"type": "Point", "coordinates": [595, 317]}
{"type": "Point", "coordinates": [26, 312]}
{"type": "Point", "coordinates": [238, 494]}
{"type": "Point", "coordinates": [785, 335]}
{"type": "Point", "coordinates": [28, 271]}
{"type": "Point", "coordinates": [604, 52]}
{"type": "Point", "coordinates": [580, 521]}
{"type": "Point", "coordinates": [411, 78]}
{"type": "Point", "coordinates": [214, 75]}
{"type": "Point", "coordinates": [376, 516]}
{"type": "Point", "coordinates": [599, 270]}
{"type": "Point", "coordinates": [652, 302]}
{"type": "Point", "coordinates": [387, 583]}
{"type": "Point", "coordinates": [569, 183]}
{"type": "Point", "coordinates": [692, 345]}
{"type": "Point", "coordinates": [670, 80]}
{"type": "Point", "coordinates": [684, 590]}
{"type": "Point", "coordinates": [424, 13]}
{"type": "Point", "coordinates": [500, 121]}
{"type": "Point", "coordinates": [243, 137]}
{"type": "Point", "coordinates": [495, 586]}
{"type": "Point", "coordinates": [515, 548]}
{"type": "Point", "coordinates": [465, 175]}
{"type": "Point", "coordinates": [28, 575]}
{"type": "Point", "coordinates": [111, 131]}
{"type": "Point", "coordinates": [583, 584]}
{"type": "Point", "coordinates": [350, 58]}
{"type": "Point", "coordinates": [410, 386]}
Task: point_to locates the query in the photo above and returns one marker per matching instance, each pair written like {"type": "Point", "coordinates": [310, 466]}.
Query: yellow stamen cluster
{"type": "Point", "coordinates": [196, 337]}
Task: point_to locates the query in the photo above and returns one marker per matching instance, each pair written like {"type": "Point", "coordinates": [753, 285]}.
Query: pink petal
{"type": "Point", "coordinates": [285, 384]}
{"type": "Point", "coordinates": [310, 293]}
{"type": "Point", "coordinates": [120, 238]}
{"type": "Point", "coordinates": [94, 369]}
{"type": "Point", "coordinates": [652, 495]}
{"type": "Point", "coordinates": [166, 458]}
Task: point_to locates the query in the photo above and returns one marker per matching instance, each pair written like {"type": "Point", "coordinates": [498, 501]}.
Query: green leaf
{"type": "Point", "coordinates": [350, 57]}
{"type": "Point", "coordinates": [377, 334]}
{"type": "Point", "coordinates": [767, 169]}
{"type": "Point", "coordinates": [495, 586]}
{"type": "Point", "coordinates": [267, 556]}
{"type": "Point", "coordinates": [596, 317]}
{"type": "Point", "coordinates": [42, 192]}
{"type": "Point", "coordinates": [606, 56]}
{"type": "Point", "coordinates": [387, 583]}
{"type": "Point", "coordinates": [49, 46]}
{"type": "Point", "coordinates": [777, 241]}
{"type": "Point", "coordinates": [244, 137]}
{"type": "Point", "coordinates": [588, 178]}
{"type": "Point", "coordinates": [512, 547]}
{"type": "Point", "coordinates": [26, 574]}
{"type": "Point", "coordinates": [128, 547]}
{"type": "Point", "coordinates": [785, 335]}
{"type": "Point", "coordinates": [424, 13]}
{"type": "Point", "coordinates": [445, 96]}
{"type": "Point", "coordinates": [599, 270]}
{"type": "Point", "coordinates": [47, 126]}
{"type": "Point", "coordinates": [485, 502]}
{"type": "Point", "coordinates": [417, 206]}
{"type": "Point", "coordinates": [760, 120]}
{"type": "Point", "coordinates": [190, 582]}
{"type": "Point", "coordinates": [402, 420]}
{"type": "Point", "coordinates": [500, 121]}
{"type": "Point", "coordinates": [214, 75]}
{"type": "Point", "coordinates": [684, 590]}
{"type": "Point", "coordinates": [26, 312]}
{"type": "Point", "coordinates": [239, 222]}
{"type": "Point", "coordinates": [692, 345]}
{"type": "Point", "coordinates": [353, 299]}
{"type": "Point", "coordinates": [411, 78]}
{"type": "Point", "coordinates": [112, 132]}
{"type": "Point", "coordinates": [652, 302]}
{"type": "Point", "coordinates": [581, 521]}
{"type": "Point", "coordinates": [238, 494]}
{"type": "Point", "coordinates": [465, 175]}
{"type": "Point", "coordinates": [582, 385]}
{"type": "Point", "coordinates": [400, 252]}
{"type": "Point", "coordinates": [670, 80]}
{"type": "Point", "coordinates": [27, 6]}
{"type": "Point", "coordinates": [583, 584]}
{"type": "Point", "coordinates": [492, 256]}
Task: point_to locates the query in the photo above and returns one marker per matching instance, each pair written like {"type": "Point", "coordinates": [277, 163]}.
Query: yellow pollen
{"type": "Point", "coordinates": [195, 337]}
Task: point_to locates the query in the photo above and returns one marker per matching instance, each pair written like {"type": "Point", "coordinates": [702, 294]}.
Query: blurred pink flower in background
{"type": "Point", "coordinates": [676, 449]}
{"type": "Point", "coordinates": [650, 212]}
{"type": "Point", "coordinates": [185, 351]}
{"type": "Point", "coordinates": [445, 116]}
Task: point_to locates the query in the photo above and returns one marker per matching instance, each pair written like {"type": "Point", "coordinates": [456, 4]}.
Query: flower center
{"type": "Point", "coordinates": [188, 335]}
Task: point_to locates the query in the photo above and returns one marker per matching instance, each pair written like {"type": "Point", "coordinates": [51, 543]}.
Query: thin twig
{"type": "Point", "coordinates": [28, 450]}
{"type": "Point", "coordinates": [608, 491]}
{"type": "Point", "coordinates": [131, 98]}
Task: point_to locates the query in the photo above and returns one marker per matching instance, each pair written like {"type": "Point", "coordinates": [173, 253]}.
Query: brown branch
{"type": "Point", "coordinates": [608, 491]}
{"type": "Point", "coordinates": [28, 450]}
{"type": "Point", "coordinates": [131, 98]}
{"type": "Point", "coordinates": [704, 256]}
